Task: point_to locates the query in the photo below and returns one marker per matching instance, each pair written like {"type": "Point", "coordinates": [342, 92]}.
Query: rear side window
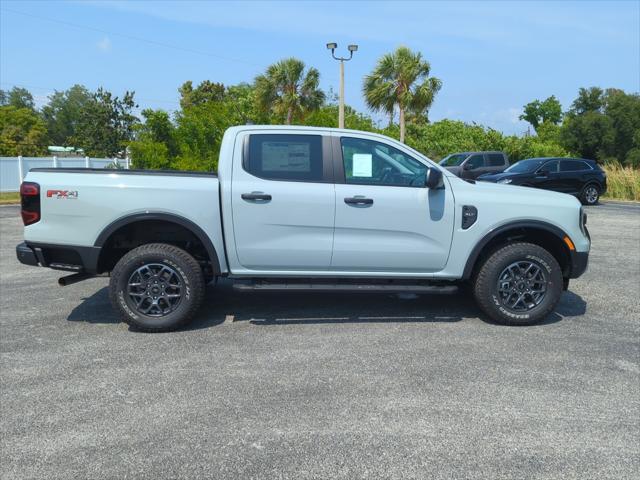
{"type": "Point", "coordinates": [285, 157]}
{"type": "Point", "coordinates": [476, 161]}
{"type": "Point", "coordinates": [495, 160]}
{"type": "Point", "coordinates": [573, 166]}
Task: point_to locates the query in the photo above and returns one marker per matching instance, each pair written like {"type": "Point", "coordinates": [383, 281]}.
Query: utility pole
{"type": "Point", "coordinates": [351, 48]}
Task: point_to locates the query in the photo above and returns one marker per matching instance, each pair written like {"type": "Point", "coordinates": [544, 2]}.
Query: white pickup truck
{"type": "Point", "coordinates": [300, 208]}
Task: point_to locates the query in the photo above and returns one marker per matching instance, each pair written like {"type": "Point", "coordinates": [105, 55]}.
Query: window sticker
{"type": "Point", "coordinates": [362, 165]}
{"type": "Point", "coordinates": [286, 157]}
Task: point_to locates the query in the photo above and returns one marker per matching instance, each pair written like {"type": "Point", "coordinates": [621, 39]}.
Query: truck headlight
{"type": "Point", "coordinates": [504, 180]}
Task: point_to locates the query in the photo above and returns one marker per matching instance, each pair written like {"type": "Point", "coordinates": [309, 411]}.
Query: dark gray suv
{"type": "Point", "coordinates": [473, 164]}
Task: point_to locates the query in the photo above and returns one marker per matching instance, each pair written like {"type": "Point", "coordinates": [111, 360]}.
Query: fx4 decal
{"type": "Point", "coordinates": [62, 194]}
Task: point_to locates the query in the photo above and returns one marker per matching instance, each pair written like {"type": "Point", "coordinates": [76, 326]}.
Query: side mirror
{"type": "Point", "coordinates": [467, 166]}
{"type": "Point", "coordinates": [433, 178]}
{"type": "Point", "coordinates": [543, 173]}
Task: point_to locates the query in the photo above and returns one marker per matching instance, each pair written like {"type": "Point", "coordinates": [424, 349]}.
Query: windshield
{"type": "Point", "coordinates": [525, 165]}
{"type": "Point", "coordinates": [453, 160]}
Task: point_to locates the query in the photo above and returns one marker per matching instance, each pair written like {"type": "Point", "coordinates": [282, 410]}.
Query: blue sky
{"type": "Point", "coordinates": [493, 57]}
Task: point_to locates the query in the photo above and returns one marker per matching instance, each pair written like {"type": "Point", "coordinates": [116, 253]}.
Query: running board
{"type": "Point", "coordinates": [325, 287]}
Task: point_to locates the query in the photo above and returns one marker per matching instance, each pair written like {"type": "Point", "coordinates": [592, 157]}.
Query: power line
{"type": "Point", "coordinates": [131, 37]}
{"type": "Point", "coordinates": [140, 39]}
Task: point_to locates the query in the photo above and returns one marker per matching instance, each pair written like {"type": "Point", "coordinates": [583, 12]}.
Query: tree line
{"type": "Point", "coordinates": [97, 122]}
{"type": "Point", "coordinates": [600, 124]}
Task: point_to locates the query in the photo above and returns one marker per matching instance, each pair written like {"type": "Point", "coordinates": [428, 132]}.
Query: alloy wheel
{"type": "Point", "coordinates": [522, 286]}
{"type": "Point", "coordinates": [155, 289]}
{"type": "Point", "coordinates": [591, 194]}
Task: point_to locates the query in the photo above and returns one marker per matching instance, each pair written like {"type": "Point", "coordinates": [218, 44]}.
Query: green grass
{"type": "Point", "coordinates": [623, 183]}
{"type": "Point", "coordinates": [7, 198]}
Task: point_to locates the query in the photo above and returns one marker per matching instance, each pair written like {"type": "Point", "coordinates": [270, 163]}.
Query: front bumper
{"type": "Point", "coordinates": [579, 263]}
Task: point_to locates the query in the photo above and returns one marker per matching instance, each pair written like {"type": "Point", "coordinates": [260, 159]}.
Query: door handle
{"type": "Point", "coordinates": [253, 196]}
{"type": "Point", "coordinates": [358, 201]}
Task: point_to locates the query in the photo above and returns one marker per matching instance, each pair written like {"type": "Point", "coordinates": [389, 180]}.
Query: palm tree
{"type": "Point", "coordinates": [401, 79]}
{"type": "Point", "coordinates": [287, 91]}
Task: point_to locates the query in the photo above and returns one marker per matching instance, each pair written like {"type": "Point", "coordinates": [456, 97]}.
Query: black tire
{"type": "Point", "coordinates": [491, 298]}
{"type": "Point", "coordinates": [153, 268]}
{"type": "Point", "coordinates": [590, 194]}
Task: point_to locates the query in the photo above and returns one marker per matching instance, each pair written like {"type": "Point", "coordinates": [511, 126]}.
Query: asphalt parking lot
{"type": "Point", "coordinates": [324, 386]}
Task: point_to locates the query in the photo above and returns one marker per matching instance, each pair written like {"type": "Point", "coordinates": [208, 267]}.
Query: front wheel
{"type": "Point", "coordinates": [590, 195]}
{"type": "Point", "coordinates": [156, 287]}
{"type": "Point", "coordinates": [518, 284]}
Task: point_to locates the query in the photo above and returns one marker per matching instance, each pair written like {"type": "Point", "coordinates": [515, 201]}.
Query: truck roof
{"type": "Point", "coordinates": [294, 128]}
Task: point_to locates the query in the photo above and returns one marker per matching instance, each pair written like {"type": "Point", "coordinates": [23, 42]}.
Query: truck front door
{"type": "Point", "coordinates": [386, 220]}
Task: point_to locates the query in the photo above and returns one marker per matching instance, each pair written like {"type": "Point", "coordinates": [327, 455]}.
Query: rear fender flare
{"type": "Point", "coordinates": [167, 217]}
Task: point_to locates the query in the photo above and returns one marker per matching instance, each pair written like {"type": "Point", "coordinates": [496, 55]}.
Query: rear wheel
{"type": "Point", "coordinates": [590, 194]}
{"type": "Point", "coordinates": [519, 284]}
{"type": "Point", "coordinates": [156, 287]}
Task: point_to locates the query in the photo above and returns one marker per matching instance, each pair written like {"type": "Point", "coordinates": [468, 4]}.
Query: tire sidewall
{"type": "Point", "coordinates": [126, 305]}
{"type": "Point", "coordinates": [554, 286]}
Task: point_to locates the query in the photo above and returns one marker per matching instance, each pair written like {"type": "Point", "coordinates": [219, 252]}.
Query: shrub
{"type": "Point", "coordinates": [623, 183]}
{"type": "Point", "coordinates": [149, 154]}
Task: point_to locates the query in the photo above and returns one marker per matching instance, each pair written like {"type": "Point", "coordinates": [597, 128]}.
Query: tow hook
{"type": "Point", "coordinates": [75, 278]}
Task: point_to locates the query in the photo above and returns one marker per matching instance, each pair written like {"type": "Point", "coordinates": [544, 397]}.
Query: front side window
{"type": "Point", "coordinates": [285, 157]}
{"type": "Point", "coordinates": [495, 160]}
{"type": "Point", "coordinates": [475, 161]}
{"type": "Point", "coordinates": [573, 166]}
{"type": "Point", "coordinates": [550, 167]}
{"type": "Point", "coordinates": [367, 162]}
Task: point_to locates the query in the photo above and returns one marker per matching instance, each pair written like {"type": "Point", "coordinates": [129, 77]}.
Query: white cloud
{"type": "Point", "coordinates": [507, 120]}
{"type": "Point", "coordinates": [40, 100]}
{"type": "Point", "coordinates": [104, 45]}
{"type": "Point", "coordinates": [513, 114]}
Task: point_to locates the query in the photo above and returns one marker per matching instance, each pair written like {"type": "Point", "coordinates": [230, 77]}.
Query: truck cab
{"type": "Point", "coordinates": [332, 203]}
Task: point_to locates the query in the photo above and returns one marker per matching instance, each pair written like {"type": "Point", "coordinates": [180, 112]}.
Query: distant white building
{"type": "Point", "coordinates": [65, 151]}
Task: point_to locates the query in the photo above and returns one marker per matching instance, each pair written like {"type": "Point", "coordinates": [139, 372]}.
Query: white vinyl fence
{"type": "Point", "coordinates": [14, 169]}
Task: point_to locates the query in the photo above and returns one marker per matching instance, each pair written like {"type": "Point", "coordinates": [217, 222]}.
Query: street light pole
{"type": "Point", "coordinates": [341, 106]}
{"type": "Point", "coordinates": [352, 48]}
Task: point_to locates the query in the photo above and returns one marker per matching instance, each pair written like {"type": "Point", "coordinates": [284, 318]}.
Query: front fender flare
{"type": "Point", "coordinates": [477, 249]}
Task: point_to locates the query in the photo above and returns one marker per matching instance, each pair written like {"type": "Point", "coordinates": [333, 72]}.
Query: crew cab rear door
{"type": "Point", "coordinates": [386, 219]}
{"type": "Point", "coordinates": [283, 202]}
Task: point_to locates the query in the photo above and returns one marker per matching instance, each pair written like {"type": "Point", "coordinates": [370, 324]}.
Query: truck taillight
{"type": "Point", "coordinates": [30, 200]}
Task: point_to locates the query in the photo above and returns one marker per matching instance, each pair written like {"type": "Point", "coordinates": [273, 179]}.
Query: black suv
{"type": "Point", "coordinates": [471, 165]}
{"type": "Point", "coordinates": [582, 178]}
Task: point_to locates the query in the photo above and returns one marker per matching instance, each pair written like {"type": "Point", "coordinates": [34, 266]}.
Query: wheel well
{"type": "Point", "coordinates": [550, 241]}
{"type": "Point", "coordinates": [141, 232]}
